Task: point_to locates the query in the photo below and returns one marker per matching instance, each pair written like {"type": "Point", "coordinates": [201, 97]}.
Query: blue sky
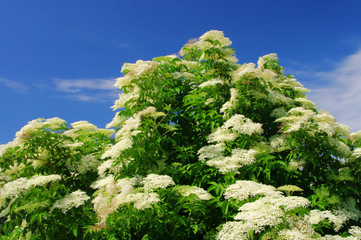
{"type": "Point", "coordinates": [59, 58]}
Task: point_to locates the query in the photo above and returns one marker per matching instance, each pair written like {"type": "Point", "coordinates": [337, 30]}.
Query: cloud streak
{"type": "Point", "coordinates": [14, 85]}
{"type": "Point", "coordinates": [87, 90]}
{"type": "Point", "coordinates": [341, 94]}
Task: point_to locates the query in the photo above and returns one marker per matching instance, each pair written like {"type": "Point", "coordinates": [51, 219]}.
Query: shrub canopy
{"type": "Point", "coordinates": [200, 147]}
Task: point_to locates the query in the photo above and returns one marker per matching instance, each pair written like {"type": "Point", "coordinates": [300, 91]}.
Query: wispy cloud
{"type": "Point", "coordinates": [14, 85]}
{"type": "Point", "coordinates": [88, 90]}
{"type": "Point", "coordinates": [340, 92]}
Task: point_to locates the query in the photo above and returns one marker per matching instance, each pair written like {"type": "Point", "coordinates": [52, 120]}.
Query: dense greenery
{"type": "Point", "coordinates": [201, 148]}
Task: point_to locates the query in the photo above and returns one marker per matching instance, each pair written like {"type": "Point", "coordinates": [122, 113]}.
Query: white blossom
{"type": "Point", "coordinates": [185, 190]}
{"type": "Point", "coordinates": [87, 163]}
{"type": "Point", "coordinates": [293, 234]}
{"type": "Point", "coordinates": [146, 200]}
{"type": "Point", "coordinates": [232, 102]}
{"type": "Point", "coordinates": [278, 98]}
{"type": "Point", "coordinates": [356, 153]}
{"type": "Point", "coordinates": [260, 213]}
{"type": "Point", "coordinates": [154, 181]}
{"type": "Point", "coordinates": [14, 188]}
{"type": "Point", "coordinates": [211, 151]}
{"type": "Point", "coordinates": [262, 60]}
{"type": "Point", "coordinates": [355, 135]}
{"type": "Point", "coordinates": [243, 189]}
{"type": "Point", "coordinates": [355, 231]}
{"type": "Point", "coordinates": [115, 151]}
{"type": "Point", "coordinates": [243, 125]}
{"type": "Point", "coordinates": [222, 135]}
{"type": "Point", "coordinates": [211, 83]}
{"type": "Point", "coordinates": [306, 103]}
{"type": "Point", "coordinates": [216, 36]}
{"type": "Point", "coordinates": [236, 230]}
{"type": "Point", "coordinates": [83, 125]}
{"type": "Point", "coordinates": [74, 199]}
{"type": "Point", "coordinates": [239, 158]}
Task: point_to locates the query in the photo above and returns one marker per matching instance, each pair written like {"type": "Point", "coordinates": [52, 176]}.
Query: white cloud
{"type": "Point", "coordinates": [88, 90]}
{"type": "Point", "coordinates": [341, 94]}
{"type": "Point", "coordinates": [16, 86]}
{"type": "Point", "coordinates": [77, 85]}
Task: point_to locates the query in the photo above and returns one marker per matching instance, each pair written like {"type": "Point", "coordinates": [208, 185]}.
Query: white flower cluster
{"type": "Point", "coordinates": [341, 147]}
{"type": "Point", "coordinates": [356, 153]}
{"type": "Point", "coordinates": [128, 130]}
{"type": "Point", "coordinates": [267, 211]}
{"type": "Point", "coordinates": [204, 44]}
{"type": "Point", "coordinates": [125, 97]}
{"type": "Point", "coordinates": [278, 143]}
{"type": "Point", "coordinates": [260, 214]}
{"type": "Point", "coordinates": [229, 131]}
{"type": "Point", "coordinates": [83, 125]}
{"type": "Point", "coordinates": [216, 36]}
{"type": "Point", "coordinates": [74, 199]}
{"type": "Point", "coordinates": [185, 190]}
{"type": "Point", "coordinates": [211, 152]}
{"type": "Point", "coordinates": [235, 230]}
{"type": "Point", "coordinates": [232, 103]}
{"type": "Point", "coordinates": [222, 135]}
{"type": "Point", "coordinates": [135, 70]}
{"type": "Point", "coordinates": [355, 135]}
{"type": "Point", "coordinates": [154, 181]}
{"type": "Point", "coordinates": [14, 188]}
{"type": "Point", "coordinates": [239, 158]}
{"type": "Point", "coordinates": [211, 83]}
{"type": "Point", "coordinates": [305, 103]}
{"type": "Point", "coordinates": [87, 163]}
{"type": "Point", "coordinates": [262, 60]}
{"type": "Point", "coordinates": [277, 97]}
{"type": "Point", "coordinates": [243, 125]}
{"type": "Point", "coordinates": [244, 189]}
{"type": "Point", "coordinates": [113, 194]}
{"type": "Point", "coordinates": [300, 117]}
{"type": "Point", "coordinates": [293, 234]}
{"type": "Point", "coordinates": [32, 127]}
{"type": "Point", "coordinates": [338, 217]}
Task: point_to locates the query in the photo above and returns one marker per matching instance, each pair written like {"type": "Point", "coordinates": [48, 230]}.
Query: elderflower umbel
{"type": "Point", "coordinates": [243, 125]}
{"type": "Point", "coordinates": [185, 190]}
{"type": "Point", "coordinates": [14, 188]}
{"type": "Point", "coordinates": [86, 164]}
{"type": "Point", "coordinates": [146, 200]}
{"type": "Point", "coordinates": [232, 101]}
{"type": "Point", "coordinates": [276, 97]}
{"type": "Point", "coordinates": [114, 151]}
{"type": "Point", "coordinates": [260, 214]}
{"type": "Point", "coordinates": [83, 125]}
{"type": "Point", "coordinates": [356, 153]}
{"type": "Point", "coordinates": [216, 35]}
{"type": "Point", "coordinates": [235, 230]}
{"type": "Point", "coordinates": [355, 231]}
{"type": "Point", "coordinates": [211, 151]}
{"type": "Point", "coordinates": [293, 234]}
{"type": "Point", "coordinates": [239, 158]}
{"type": "Point", "coordinates": [244, 189]}
{"type": "Point", "coordinates": [74, 199]}
{"type": "Point", "coordinates": [211, 83]}
{"type": "Point", "coordinates": [355, 135]}
{"type": "Point", "coordinates": [154, 181]}
{"type": "Point", "coordinates": [315, 216]}
{"type": "Point", "coordinates": [222, 135]}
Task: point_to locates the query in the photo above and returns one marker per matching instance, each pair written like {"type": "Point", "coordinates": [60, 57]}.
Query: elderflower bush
{"type": "Point", "coordinates": [46, 174]}
{"type": "Point", "coordinates": [200, 147]}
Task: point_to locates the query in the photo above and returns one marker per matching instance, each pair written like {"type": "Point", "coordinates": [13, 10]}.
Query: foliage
{"type": "Point", "coordinates": [201, 148]}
